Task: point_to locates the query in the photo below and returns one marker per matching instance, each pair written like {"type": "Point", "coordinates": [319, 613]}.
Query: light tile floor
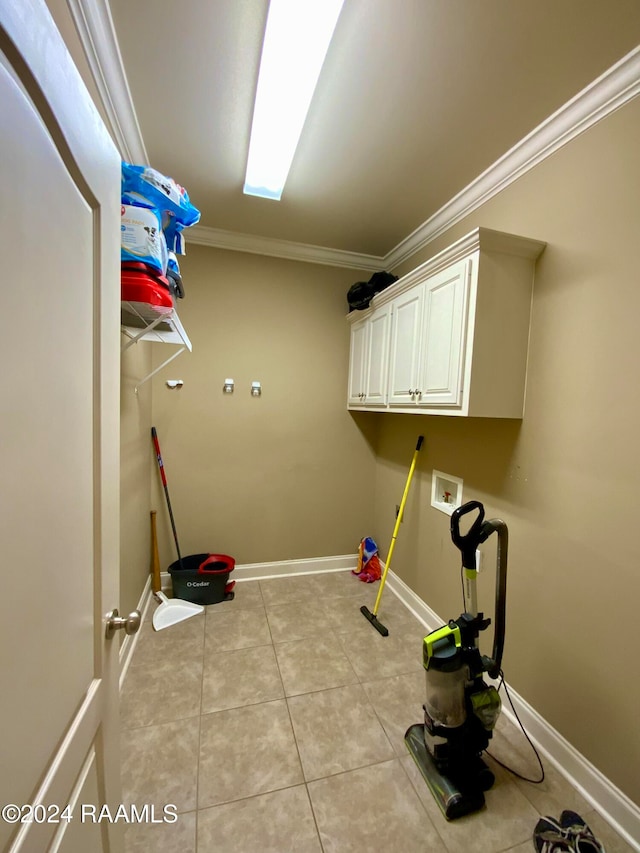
{"type": "Point", "coordinates": [276, 722]}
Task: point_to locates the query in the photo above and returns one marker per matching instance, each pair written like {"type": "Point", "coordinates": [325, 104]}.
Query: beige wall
{"type": "Point", "coordinates": [284, 476]}
{"type": "Point", "coordinates": [566, 478]}
{"type": "Point", "coordinates": [135, 474]}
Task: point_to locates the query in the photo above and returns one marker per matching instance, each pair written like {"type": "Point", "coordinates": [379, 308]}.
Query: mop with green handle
{"type": "Point", "coordinates": [373, 617]}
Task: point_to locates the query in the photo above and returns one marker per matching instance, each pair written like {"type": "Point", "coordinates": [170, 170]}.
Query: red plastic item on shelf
{"type": "Point", "coordinates": [138, 284]}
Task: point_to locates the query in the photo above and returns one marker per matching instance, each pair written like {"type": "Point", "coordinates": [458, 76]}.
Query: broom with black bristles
{"type": "Point", "coordinates": [373, 617]}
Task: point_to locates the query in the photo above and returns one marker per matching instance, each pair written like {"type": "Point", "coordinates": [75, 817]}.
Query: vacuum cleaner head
{"type": "Point", "coordinates": [454, 800]}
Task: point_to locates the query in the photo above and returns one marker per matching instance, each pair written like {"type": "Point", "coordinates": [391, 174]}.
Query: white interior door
{"type": "Point", "coordinates": [59, 347]}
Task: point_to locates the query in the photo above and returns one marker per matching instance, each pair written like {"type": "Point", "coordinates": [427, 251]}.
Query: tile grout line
{"type": "Point", "coordinates": [199, 752]}
{"type": "Point", "coordinates": [406, 773]}
{"type": "Point", "coordinates": [424, 808]}
{"type": "Point", "coordinates": [359, 681]}
{"type": "Point", "coordinates": [295, 739]}
{"type": "Point", "coordinates": [306, 782]}
{"type": "Point", "coordinates": [397, 757]}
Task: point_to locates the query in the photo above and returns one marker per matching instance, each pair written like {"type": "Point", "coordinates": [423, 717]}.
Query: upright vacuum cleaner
{"type": "Point", "coordinates": [461, 709]}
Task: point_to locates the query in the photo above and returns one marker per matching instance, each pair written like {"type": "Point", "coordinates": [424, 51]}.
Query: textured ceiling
{"type": "Point", "coordinates": [416, 99]}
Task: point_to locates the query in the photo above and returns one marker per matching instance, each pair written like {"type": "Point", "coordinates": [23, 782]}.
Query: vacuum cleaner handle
{"type": "Point", "coordinates": [495, 524]}
{"type": "Point", "coordinates": [478, 533]}
{"type": "Point", "coordinates": [468, 544]}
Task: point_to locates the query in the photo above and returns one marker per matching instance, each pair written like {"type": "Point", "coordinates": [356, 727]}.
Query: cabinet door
{"type": "Point", "coordinates": [442, 357]}
{"type": "Point", "coordinates": [357, 362]}
{"type": "Point", "coordinates": [377, 369]}
{"type": "Point", "coordinates": [406, 322]}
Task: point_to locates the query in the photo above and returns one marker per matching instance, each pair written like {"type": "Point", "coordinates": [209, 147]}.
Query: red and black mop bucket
{"type": "Point", "coordinates": [203, 578]}
{"type": "Point", "coordinates": [199, 578]}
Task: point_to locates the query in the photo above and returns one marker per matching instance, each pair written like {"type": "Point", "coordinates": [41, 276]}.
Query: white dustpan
{"type": "Point", "coordinates": [172, 611]}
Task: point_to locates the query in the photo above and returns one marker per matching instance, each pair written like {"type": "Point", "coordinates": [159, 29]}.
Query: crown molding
{"type": "Point", "coordinates": [616, 87]}
{"type": "Point", "coordinates": [613, 89]}
{"type": "Point", "coordinates": [237, 242]}
{"type": "Point", "coordinates": [97, 35]}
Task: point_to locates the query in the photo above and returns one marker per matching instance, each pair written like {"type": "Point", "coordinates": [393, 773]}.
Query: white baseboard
{"type": "Point", "coordinates": [129, 643]}
{"type": "Point", "coordinates": [413, 602]}
{"type": "Point", "coordinates": [608, 800]}
{"type": "Point", "coordinates": [284, 568]}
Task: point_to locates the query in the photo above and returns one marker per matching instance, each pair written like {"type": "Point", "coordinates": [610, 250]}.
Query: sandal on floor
{"type": "Point", "coordinates": [550, 837]}
{"type": "Point", "coordinates": [582, 838]}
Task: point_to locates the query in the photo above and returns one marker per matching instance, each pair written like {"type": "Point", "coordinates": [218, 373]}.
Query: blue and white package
{"type": "Point", "coordinates": [141, 237]}
{"type": "Point", "coordinates": [146, 187]}
{"type": "Point", "coordinates": [173, 235]}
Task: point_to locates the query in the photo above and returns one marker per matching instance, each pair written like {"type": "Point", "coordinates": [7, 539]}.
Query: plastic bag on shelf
{"type": "Point", "coordinates": [141, 237]}
{"type": "Point", "coordinates": [146, 187]}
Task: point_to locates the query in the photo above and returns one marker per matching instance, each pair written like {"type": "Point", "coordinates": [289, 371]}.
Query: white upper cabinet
{"type": "Point", "coordinates": [404, 361]}
{"type": "Point", "coordinates": [427, 340]}
{"type": "Point", "coordinates": [369, 359]}
{"type": "Point", "coordinates": [441, 356]}
{"type": "Point", "coordinates": [377, 370]}
{"type": "Point", "coordinates": [357, 356]}
{"type": "Point", "coordinates": [451, 336]}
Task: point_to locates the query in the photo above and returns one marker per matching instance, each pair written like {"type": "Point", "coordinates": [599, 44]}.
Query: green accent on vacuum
{"type": "Point", "coordinates": [443, 641]}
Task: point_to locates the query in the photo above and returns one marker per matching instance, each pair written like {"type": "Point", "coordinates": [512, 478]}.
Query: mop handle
{"type": "Point", "coordinates": [156, 444]}
{"type": "Point", "coordinates": [398, 522]}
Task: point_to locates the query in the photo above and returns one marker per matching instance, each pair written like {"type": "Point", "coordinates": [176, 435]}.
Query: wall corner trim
{"type": "Point", "coordinates": [289, 568]}
{"type": "Point", "coordinates": [236, 242]}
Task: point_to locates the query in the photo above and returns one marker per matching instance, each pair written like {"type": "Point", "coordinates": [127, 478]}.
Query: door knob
{"type": "Point", "coordinates": [131, 623]}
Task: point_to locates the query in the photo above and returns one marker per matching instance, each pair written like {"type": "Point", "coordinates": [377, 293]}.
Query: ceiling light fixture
{"type": "Point", "coordinates": [296, 41]}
